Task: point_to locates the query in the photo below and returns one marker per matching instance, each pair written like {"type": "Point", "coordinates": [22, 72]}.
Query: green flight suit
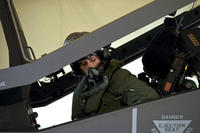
{"type": "Point", "coordinates": [123, 89]}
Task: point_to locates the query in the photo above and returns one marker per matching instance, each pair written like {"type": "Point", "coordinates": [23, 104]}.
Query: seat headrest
{"type": "Point", "coordinates": [159, 54]}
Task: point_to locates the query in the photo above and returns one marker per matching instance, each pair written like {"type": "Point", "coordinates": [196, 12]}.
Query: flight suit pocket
{"type": "Point", "coordinates": [109, 103]}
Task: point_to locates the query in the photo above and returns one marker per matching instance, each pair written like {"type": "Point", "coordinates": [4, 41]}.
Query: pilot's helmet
{"type": "Point", "coordinates": [103, 53]}
{"type": "Point", "coordinates": [74, 36]}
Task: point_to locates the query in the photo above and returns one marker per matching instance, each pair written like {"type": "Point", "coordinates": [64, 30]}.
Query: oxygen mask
{"type": "Point", "coordinates": [95, 75]}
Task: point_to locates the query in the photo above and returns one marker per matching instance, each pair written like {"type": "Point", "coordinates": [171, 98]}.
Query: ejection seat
{"type": "Point", "coordinates": [167, 62]}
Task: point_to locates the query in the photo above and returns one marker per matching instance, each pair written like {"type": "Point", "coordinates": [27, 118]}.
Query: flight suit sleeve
{"type": "Point", "coordinates": [130, 89]}
{"type": "Point", "coordinates": [137, 91]}
{"type": "Point", "coordinates": [76, 105]}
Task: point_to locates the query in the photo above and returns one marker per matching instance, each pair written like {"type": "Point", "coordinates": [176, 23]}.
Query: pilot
{"type": "Point", "coordinates": [105, 86]}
